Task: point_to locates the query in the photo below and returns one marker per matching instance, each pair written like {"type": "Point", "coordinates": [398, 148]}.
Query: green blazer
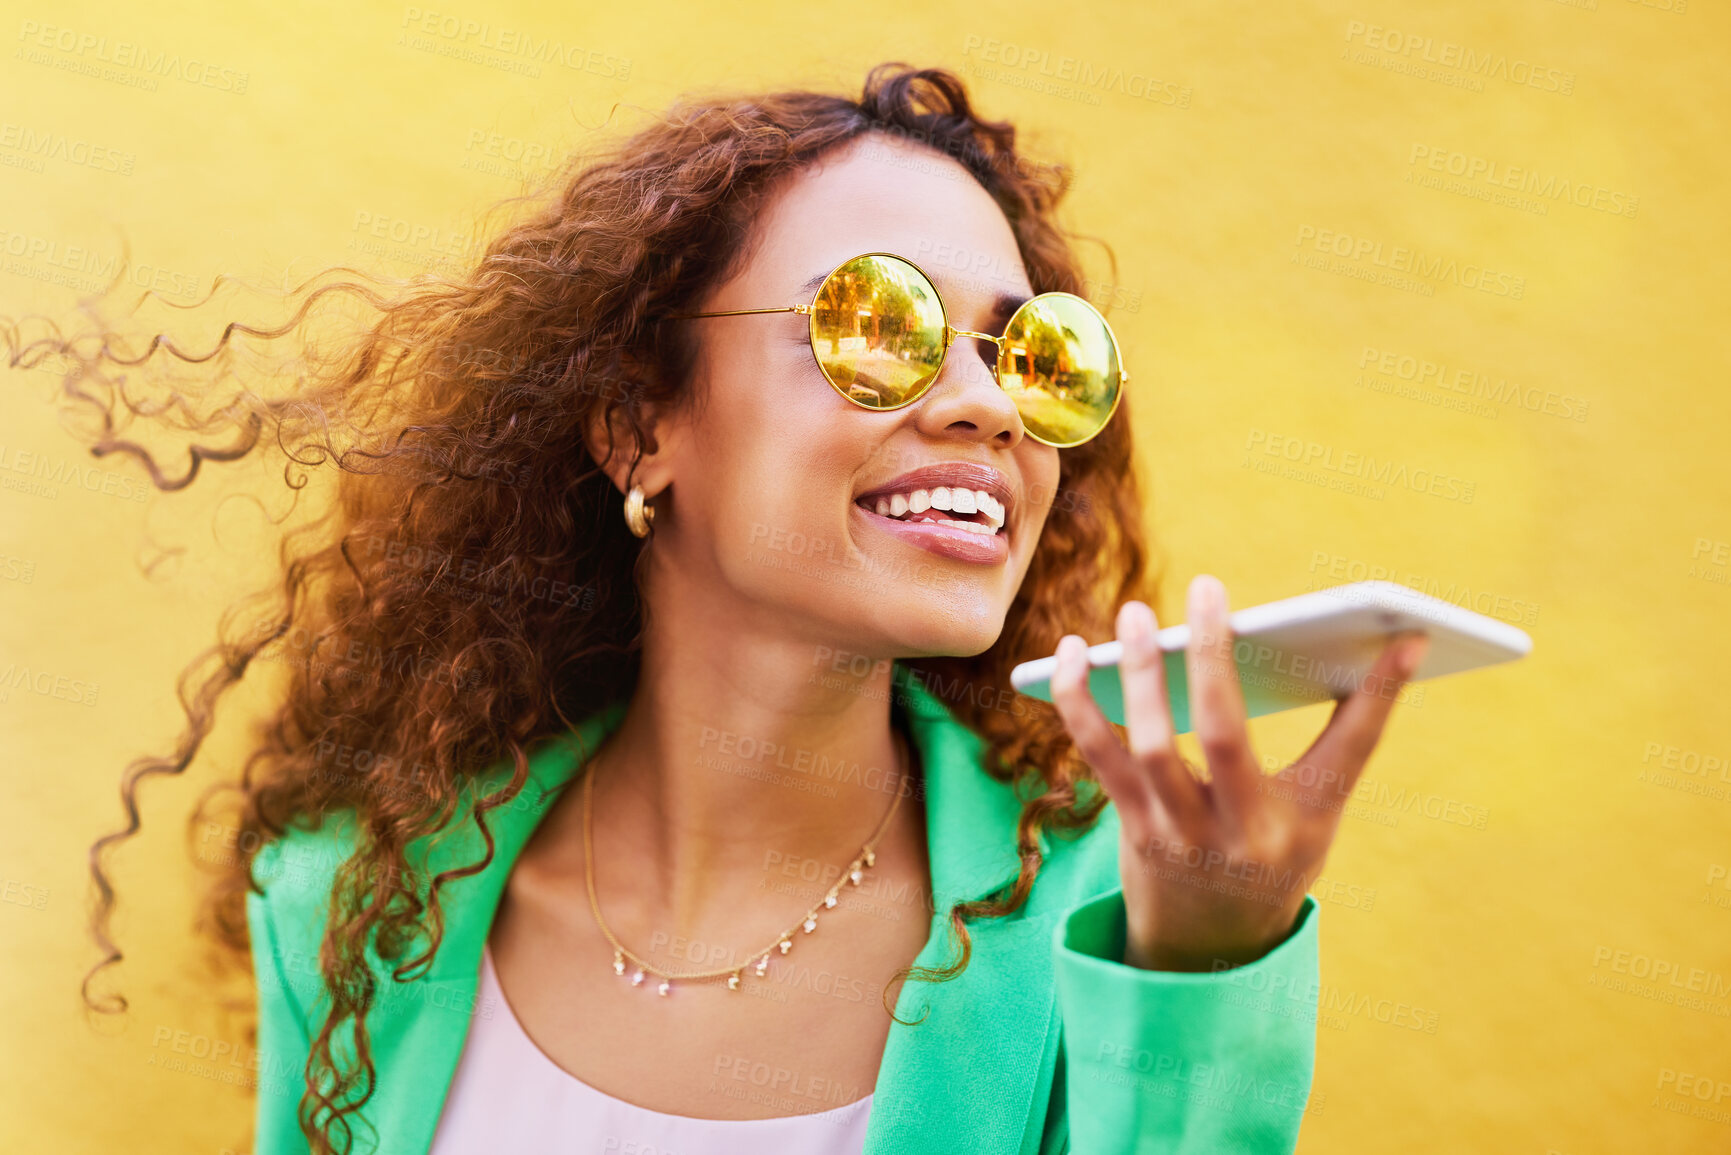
{"type": "Point", "coordinates": [1048, 1042]}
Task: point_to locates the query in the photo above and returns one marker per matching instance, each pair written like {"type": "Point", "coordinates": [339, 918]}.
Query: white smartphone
{"type": "Point", "coordinates": [1311, 648]}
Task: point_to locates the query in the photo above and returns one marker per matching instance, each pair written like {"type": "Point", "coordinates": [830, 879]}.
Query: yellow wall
{"type": "Point", "coordinates": [1579, 837]}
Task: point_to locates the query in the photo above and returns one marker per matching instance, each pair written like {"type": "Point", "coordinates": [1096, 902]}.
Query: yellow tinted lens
{"type": "Point", "coordinates": [877, 330]}
{"type": "Point", "coordinates": [1060, 365]}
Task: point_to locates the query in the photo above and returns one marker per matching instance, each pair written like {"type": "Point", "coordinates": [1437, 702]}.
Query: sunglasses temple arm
{"type": "Point", "coordinates": [740, 312]}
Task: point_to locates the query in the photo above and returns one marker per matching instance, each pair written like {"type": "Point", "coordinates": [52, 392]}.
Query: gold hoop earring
{"type": "Point", "coordinates": [638, 513]}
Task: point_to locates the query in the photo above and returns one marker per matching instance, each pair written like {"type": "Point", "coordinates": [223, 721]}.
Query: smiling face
{"type": "Point", "coordinates": [776, 480]}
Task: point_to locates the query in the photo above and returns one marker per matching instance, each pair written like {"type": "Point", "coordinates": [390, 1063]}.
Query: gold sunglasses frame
{"type": "Point", "coordinates": [950, 335]}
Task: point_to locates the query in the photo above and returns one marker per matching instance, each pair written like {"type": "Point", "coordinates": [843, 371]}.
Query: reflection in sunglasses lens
{"type": "Point", "coordinates": [878, 330]}
{"type": "Point", "coordinates": [1060, 364]}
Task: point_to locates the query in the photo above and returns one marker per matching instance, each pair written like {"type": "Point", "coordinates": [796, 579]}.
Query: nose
{"type": "Point", "coordinates": [966, 399]}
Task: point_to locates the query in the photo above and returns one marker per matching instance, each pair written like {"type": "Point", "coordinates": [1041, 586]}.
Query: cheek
{"type": "Point", "coordinates": [1041, 468]}
{"type": "Point", "coordinates": [775, 477]}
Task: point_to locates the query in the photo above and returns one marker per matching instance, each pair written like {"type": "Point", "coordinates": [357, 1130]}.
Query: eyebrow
{"type": "Point", "coordinates": [1003, 306]}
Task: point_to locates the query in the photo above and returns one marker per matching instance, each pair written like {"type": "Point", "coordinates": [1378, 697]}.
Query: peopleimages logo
{"type": "Point", "coordinates": [46, 144]}
{"type": "Point", "coordinates": [1438, 375]}
{"type": "Point", "coordinates": [1090, 76]}
{"type": "Point", "coordinates": [1364, 467]}
{"type": "Point", "coordinates": [513, 46]}
{"type": "Point", "coordinates": [1411, 48]}
{"type": "Point", "coordinates": [1546, 187]}
{"type": "Point", "coordinates": [88, 52]}
{"type": "Point", "coordinates": [1402, 259]}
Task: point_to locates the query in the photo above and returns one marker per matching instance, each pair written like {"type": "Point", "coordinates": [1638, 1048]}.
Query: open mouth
{"type": "Point", "coordinates": [971, 510]}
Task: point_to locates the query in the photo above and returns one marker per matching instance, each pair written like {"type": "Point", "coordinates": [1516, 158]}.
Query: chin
{"type": "Point", "coordinates": [955, 628]}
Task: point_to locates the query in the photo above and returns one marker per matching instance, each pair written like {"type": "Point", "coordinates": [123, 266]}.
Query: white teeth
{"type": "Point", "coordinates": [980, 528]}
{"type": "Point", "coordinates": [950, 498]}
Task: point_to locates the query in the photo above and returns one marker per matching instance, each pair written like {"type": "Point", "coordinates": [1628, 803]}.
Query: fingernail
{"type": "Point", "coordinates": [1137, 622]}
{"type": "Point", "coordinates": [1208, 595]}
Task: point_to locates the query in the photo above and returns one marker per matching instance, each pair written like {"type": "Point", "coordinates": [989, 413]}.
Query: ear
{"type": "Point", "coordinates": [613, 443]}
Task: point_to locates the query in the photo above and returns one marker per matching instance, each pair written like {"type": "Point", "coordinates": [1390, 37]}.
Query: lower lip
{"type": "Point", "coordinates": [943, 540]}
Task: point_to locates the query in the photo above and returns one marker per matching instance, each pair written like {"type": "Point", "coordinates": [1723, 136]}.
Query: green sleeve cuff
{"type": "Point", "coordinates": [1177, 1062]}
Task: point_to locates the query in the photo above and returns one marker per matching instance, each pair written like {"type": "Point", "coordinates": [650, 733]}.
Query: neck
{"type": "Point", "coordinates": [742, 761]}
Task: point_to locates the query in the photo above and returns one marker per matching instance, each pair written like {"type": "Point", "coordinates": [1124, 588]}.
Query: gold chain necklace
{"type": "Point", "coordinates": [784, 941]}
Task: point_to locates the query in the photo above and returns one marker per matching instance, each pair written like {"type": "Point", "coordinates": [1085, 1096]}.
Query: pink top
{"type": "Point", "coordinates": [507, 1095]}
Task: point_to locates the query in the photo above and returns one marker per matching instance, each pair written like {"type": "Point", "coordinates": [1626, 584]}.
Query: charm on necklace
{"type": "Point", "coordinates": [637, 979]}
{"type": "Point", "coordinates": [763, 964]}
{"type": "Point", "coordinates": [785, 944]}
{"type": "Point", "coordinates": [810, 924]}
{"type": "Point", "coordinates": [618, 962]}
{"type": "Point", "coordinates": [733, 981]}
{"type": "Point", "coordinates": [664, 987]}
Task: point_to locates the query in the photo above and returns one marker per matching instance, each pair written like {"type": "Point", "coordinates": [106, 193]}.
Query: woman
{"type": "Point", "coordinates": [649, 725]}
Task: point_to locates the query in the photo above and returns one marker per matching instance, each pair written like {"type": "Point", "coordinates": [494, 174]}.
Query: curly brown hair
{"type": "Point", "coordinates": [473, 555]}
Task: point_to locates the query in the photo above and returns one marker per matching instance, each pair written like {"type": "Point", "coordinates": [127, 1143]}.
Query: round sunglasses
{"type": "Point", "coordinates": [879, 334]}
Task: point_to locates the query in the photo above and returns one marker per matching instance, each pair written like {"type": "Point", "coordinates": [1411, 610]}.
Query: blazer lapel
{"type": "Point", "coordinates": [971, 1070]}
{"type": "Point", "coordinates": [420, 1050]}
{"type": "Point", "coordinates": [970, 1073]}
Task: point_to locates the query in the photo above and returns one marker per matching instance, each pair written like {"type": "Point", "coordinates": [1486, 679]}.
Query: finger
{"type": "Point", "coordinates": [1330, 769]}
{"type": "Point", "coordinates": [1216, 701]}
{"type": "Point", "coordinates": [1094, 737]}
{"type": "Point", "coordinates": [1148, 713]}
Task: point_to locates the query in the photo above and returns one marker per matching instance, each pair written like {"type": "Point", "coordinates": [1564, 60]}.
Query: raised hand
{"type": "Point", "coordinates": [1215, 871]}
